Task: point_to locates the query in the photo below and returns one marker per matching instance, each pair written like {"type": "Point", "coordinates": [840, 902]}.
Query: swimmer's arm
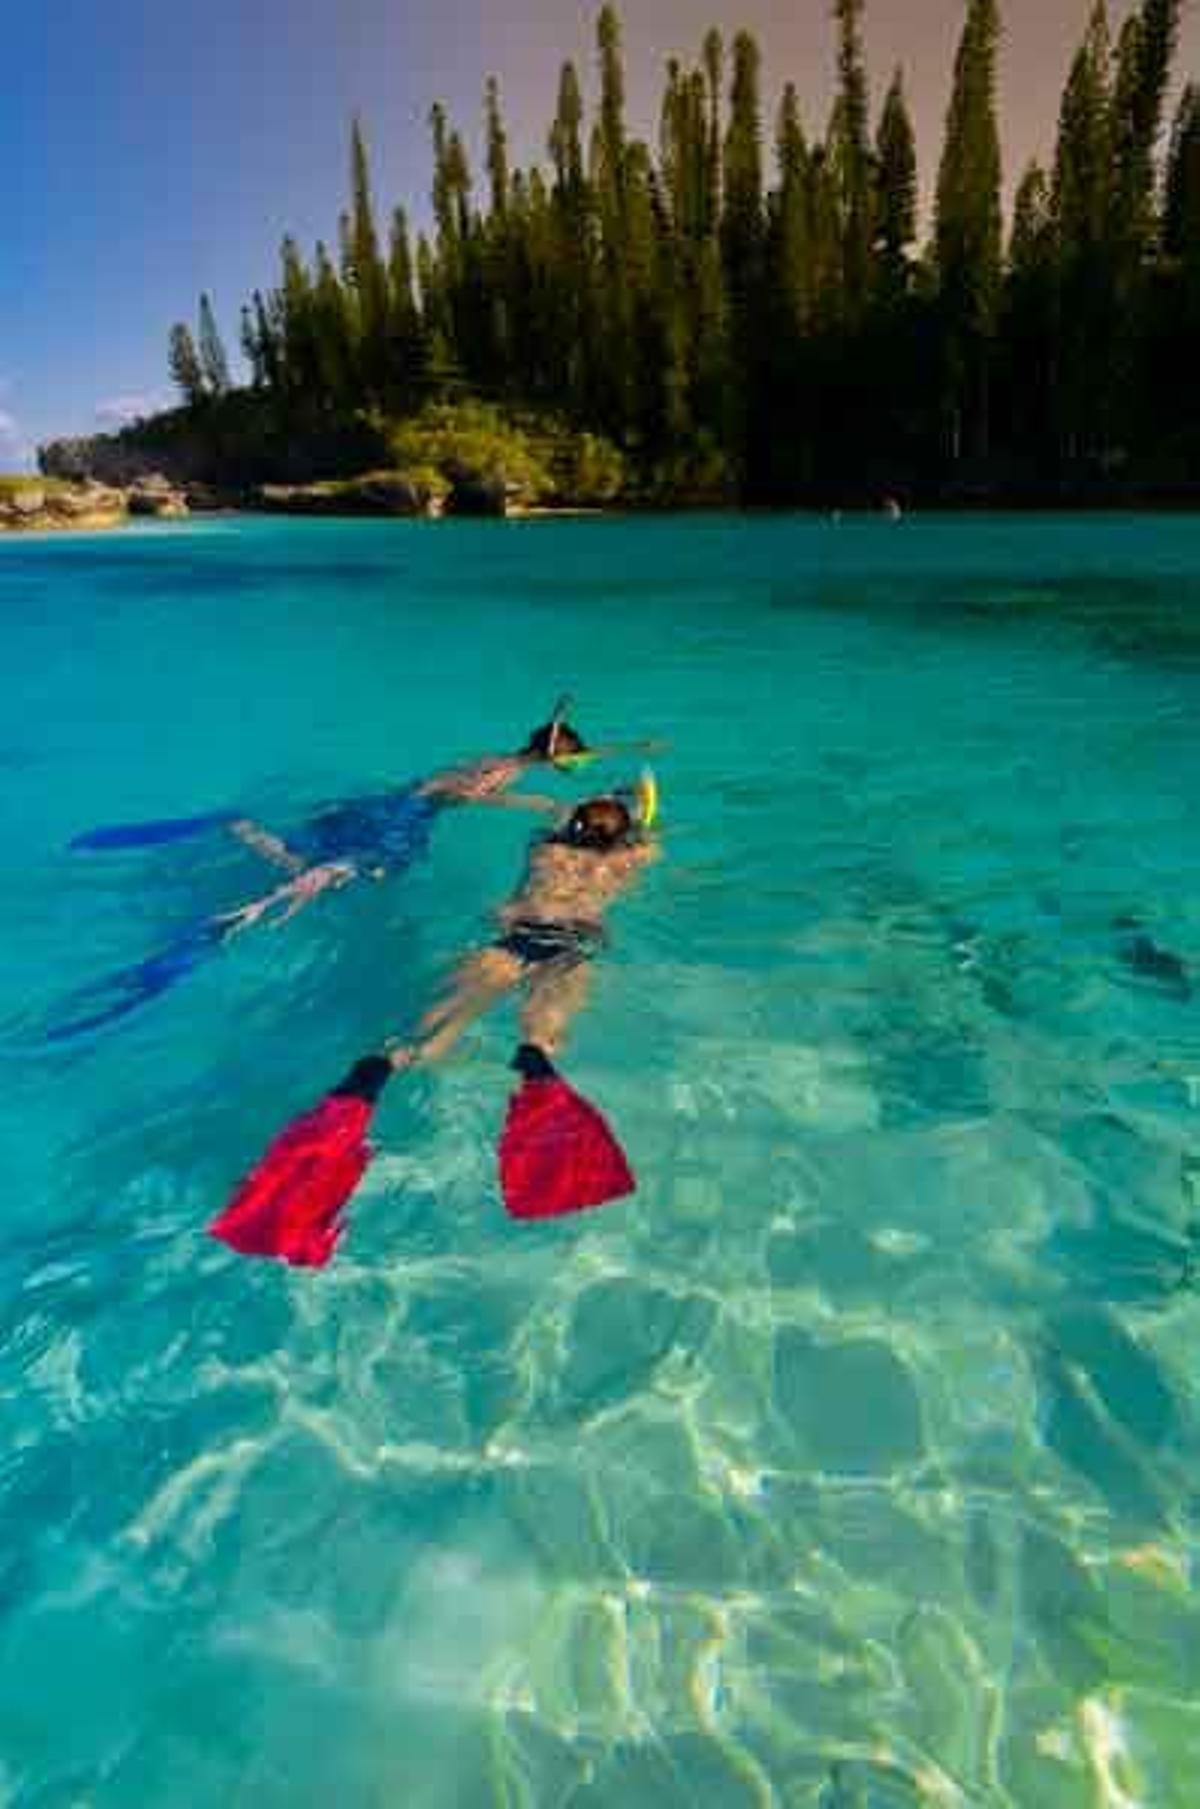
{"type": "Point", "coordinates": [610, 750]}
{"type": "Point", "coordinates": [644, 853]}
{"type": "Point", "coordinates": [294, 893]}
{"type": "Point", "coordinates": [459, 783]}
{"type": "Point", "coordinates": [458, 786]}
{"type": "Point", "coordinates": [529, 800]}
{"type": "Point", "coordinates": [270, 847]}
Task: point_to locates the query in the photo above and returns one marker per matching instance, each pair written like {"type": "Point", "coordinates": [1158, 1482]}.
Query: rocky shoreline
{"type": "Point", "coordinates": [31, 505]}
{"type": "Point", "coordinates": [85, 504]}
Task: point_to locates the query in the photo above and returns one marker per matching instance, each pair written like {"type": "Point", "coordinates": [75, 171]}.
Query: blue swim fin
{"type": "Point", "coordinates": [150, 835]}
{"type": "Point", "coordinates": [107, 1001]}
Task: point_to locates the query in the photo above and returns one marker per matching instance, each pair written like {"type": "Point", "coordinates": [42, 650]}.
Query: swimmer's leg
{"type": "Point", "coordinates": [557, 1153]}
{"type": "Point", "coordinates": [480, 982]}
{"type": "Point", "coordinates": [555, 994]}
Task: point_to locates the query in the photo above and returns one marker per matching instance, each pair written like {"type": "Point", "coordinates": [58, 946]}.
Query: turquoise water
{"type": "Point", "coordinates": [854, 1462]}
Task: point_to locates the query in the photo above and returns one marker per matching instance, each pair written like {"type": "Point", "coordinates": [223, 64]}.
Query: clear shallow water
{"type": "Point", "coordinates": [854, 1463]}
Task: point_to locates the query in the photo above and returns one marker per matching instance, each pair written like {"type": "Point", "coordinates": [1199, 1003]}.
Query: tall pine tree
{"type": "Point", "coordinates": [1081, 203]}
{"type": "Point", "coordinates": [742, 245]}
{"type": "Point", "coordinates": [896, 188]}
{"type": "Point", "coordinates": [853, 158]}
{"type": "Point", "coordinates": [366, 276]}
{"type": "Point", "coordinates": [1181, 188]}
{"type": "Point", "coordinates": [967, 230]}
{"type": "Point", "coordinates": [184, 361]}
{"type": "Point", "coordinates": [1028, 337]}
{"type": "Point", "coordinates": [213, 361]}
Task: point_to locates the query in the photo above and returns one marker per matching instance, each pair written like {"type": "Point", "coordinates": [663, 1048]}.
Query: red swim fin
{"type": "Point", "coordinates": [290, 1205]}
{"type": "Point", "coordinates": [557, 1154]}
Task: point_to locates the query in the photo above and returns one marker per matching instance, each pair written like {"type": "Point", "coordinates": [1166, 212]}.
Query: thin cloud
{"type": "Point", "coordinates": [118, 411]}
{"type": "Point", "coordinates": [12, 439]}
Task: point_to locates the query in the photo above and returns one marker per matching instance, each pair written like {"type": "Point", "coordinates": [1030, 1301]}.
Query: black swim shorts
{"type": "Point", "coordinates": [536, 943]}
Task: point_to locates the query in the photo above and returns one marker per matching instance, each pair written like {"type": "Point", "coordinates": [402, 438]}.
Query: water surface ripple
{"type": "Point", "coordinates": [852, 1464]}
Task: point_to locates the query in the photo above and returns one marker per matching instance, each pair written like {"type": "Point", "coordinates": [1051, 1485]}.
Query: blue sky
{"type": "Point", "coordinates": [153, 151]}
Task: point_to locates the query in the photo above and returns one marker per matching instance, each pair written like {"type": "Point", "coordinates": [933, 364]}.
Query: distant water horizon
{"type": "Point", "coordinates": [850, 1463]}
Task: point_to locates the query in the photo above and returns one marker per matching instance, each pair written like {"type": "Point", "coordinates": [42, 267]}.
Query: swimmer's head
{"type": "Point", "coordinates": [554, 741]}
{"type": "Point", "coordinates": [600, 825]}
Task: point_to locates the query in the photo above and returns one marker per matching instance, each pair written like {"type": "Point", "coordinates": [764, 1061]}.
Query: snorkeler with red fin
{"type": "Point", "coordinates": [557, 1154]}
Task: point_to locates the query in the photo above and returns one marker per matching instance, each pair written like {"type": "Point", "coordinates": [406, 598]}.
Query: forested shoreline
{"type": "Point", "coordinates": [745, 311]}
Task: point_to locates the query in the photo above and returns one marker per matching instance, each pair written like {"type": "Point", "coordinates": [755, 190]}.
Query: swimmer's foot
{"type": "Point", "coordinates": [366, 1079]}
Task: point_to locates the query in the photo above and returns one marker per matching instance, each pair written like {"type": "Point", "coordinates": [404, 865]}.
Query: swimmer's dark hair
{"type": "Point", "coordinates": [566, 740]}
{"type": "Point", "coordinates": [600, 824]}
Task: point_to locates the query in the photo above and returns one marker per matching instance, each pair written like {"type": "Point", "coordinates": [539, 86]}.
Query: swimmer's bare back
{"type": "Point", "coordinates": [573, 885]}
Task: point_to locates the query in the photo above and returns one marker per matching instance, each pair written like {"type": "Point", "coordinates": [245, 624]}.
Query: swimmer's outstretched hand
{"type": "Point", "coordinates": [309, 885]}
{"type": "Point", "coordinates": [293, 897]}
{"type": "Point", "coordinates": [232, 923]}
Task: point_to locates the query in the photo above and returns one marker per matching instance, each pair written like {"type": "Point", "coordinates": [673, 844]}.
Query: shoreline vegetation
{"type": "Point", "coordinates": [719, 320]}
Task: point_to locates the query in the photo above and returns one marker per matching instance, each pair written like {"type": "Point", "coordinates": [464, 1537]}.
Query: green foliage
{"type": "Point", "coordinates": [472, 439]}
{"type": "Point", "coordinates": [587, 469]}
{"type": "Point", "coordinates": [539, 458]}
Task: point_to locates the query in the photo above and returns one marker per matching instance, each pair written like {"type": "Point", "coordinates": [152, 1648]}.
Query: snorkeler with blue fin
{"type": "Point", "coordinates": [557, 1155]}
{"type": "Point", "coordinates": [373, 837]}
{"type": "Point", "coordinates": [382, 825]}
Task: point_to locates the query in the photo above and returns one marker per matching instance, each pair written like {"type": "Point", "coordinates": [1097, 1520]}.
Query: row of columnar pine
{"type": "Point", "coordinates": [746, 302]}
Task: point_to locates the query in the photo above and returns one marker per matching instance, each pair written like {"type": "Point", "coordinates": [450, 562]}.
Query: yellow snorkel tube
{"type": "Point", "coordinates": [645, 798]}
{"type": "Point", "coordinates": [641, 801]}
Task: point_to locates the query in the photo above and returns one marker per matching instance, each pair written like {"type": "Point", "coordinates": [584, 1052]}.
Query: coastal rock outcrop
{"type": "Point", "coordinates": [376, 493]}
{"type": "Point", "coordinates": [210, 499]}
{"type": "Point", "coordinates": [30, 505]}
{"type": "Point", "coordinates": [157, 497]}
{"type": "Point", "coordinates": [25, 504]}
{"type": "Point", "coordinates": [476, 493]}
